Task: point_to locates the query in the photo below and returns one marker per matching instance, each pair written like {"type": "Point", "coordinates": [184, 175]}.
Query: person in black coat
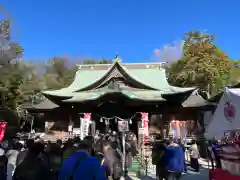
{"type": "Point", "coordinates": [32, 168]}
{"type": "Point", "coordinates": [159, 147]}
{"type": "Point", "coordinates": [22, 154]}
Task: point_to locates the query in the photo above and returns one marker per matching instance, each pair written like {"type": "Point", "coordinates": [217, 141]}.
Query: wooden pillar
{"type": "Point", "coordinates": [139, 125]}
{"type": "Point", "coordinates": [46, 129]}
{"type": "Point", "coordinates": [106, 126]}
{"type": "Point", "coordinates": [93, 127]}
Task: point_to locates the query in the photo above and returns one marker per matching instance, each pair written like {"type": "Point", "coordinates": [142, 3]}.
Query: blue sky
{"type": "Point", "coordinates": [131, 28]}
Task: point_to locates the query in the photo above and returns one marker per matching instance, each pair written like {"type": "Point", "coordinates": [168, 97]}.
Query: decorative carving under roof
{"type": "Point", "coordinates": [114, 85]}
{"type": "Point", "coordinates": [115, 74]}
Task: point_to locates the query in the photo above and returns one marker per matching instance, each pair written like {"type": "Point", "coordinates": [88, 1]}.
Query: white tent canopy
{"type": "Point", "coordinates": [227, 114]}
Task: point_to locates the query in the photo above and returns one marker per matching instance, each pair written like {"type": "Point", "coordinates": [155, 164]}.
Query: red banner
{"type": "Point", "coordinates": [2, 130]}
{"type": "Point", "coordinates": [219, 174]}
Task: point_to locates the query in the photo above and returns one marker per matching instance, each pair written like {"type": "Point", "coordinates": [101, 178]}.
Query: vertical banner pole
{"type": "Point", "coordinates": [124, 150]}
{"type": "Point", "coordinates": [81, 128]}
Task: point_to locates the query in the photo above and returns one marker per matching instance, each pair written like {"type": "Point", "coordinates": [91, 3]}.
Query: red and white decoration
{"type": "Point", "coordinates": [85, 121]}
{"type": "Point", "coordinates": [227, 115]}
{"type": "Point", "coordinates": [145, 122]}
{"type": "Point", "coordinates": [225, 125]}
{"type": "Point", "coordinates": [123, 126]}
{"type": "Point", "coordinates": [87, 116]}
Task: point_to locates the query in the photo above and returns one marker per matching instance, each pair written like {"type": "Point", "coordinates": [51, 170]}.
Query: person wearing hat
{"type": "Point", "coordinates": [81, 165]}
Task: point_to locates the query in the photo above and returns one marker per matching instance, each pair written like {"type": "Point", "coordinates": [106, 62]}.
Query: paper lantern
{"type": "Point", "coordinates": [174, 123]}
{"type": "Point", "coordinates": [181, 124]}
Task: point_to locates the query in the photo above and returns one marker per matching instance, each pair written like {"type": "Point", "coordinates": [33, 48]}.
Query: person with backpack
{"type": "Point", "coordinates": [81, 165]}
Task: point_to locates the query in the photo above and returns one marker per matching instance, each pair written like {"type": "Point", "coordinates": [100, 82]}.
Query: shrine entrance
{"type": "Point", "coordinates": [111, 92]}
{"type": "Point", "coordinates": [107, 115]}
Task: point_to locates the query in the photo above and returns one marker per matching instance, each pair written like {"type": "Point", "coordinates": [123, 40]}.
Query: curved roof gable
{"type": "Point", "coordinates": [148, 75]}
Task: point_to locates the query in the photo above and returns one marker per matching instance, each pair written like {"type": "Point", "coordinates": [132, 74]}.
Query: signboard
{"type": "Point", "coordinates": [123, 126]}
{"type": "Point", "coordinates": [76, 131]}
{"type": "Point", "coordinates": [141, 131]}
{"type": "Point", "coordinates": [84, 127]}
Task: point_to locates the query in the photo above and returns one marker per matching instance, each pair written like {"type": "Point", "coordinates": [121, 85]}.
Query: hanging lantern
{"type": "Point", "coordinates": [181, 124]}
{"type": "Point", "coordinates": [115, 120]}
{"type": "Point", "coordinates": [130, 121]}
{"type": "Point", "coordinates": [174, 123]}
{"type": "Point", "coordinates": [101, 120]}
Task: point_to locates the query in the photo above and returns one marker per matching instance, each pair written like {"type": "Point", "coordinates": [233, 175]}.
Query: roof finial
{"type": "Point", "coordinates": [117, 58]}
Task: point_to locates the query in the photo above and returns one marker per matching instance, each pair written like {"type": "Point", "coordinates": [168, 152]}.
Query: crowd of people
{"type": "Point", "coordinates": [169, 157]}
{"type": "Point", "coordinates": [98, 158]}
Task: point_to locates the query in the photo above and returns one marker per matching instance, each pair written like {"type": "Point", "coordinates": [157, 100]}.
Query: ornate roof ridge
{"type": "Point", "coordinates": [125, 65]}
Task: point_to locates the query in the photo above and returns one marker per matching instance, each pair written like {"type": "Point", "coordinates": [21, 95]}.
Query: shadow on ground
{"type": "Point", "coordinates": [143, 178]}
{"type": "Point", "coordinates": [202, 175]}
{"type": "Point", "coordinates": [190, 175]}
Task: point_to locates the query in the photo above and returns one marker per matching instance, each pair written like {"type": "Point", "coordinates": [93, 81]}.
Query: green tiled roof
{"type": "Point", "coordinates": [153, 78]}
{"type": "Point", "coordinates": [83, 78]}
{"type": "Point", "coordinates": [137, 95]}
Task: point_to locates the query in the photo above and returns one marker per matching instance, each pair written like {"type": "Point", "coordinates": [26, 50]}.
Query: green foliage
{"type": "Point", "coordinates": [5, 29]}
{"type": "Point", "coordinates": [11, 76]}
{"type": "Point", "coordinates": [235, 72]}
{"type": "Point", "coordinates": [202, 64]}
{"type": "Point", "coordinates": [95, 61]}
{"type": "Point", "coordinates": [60, 73]}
